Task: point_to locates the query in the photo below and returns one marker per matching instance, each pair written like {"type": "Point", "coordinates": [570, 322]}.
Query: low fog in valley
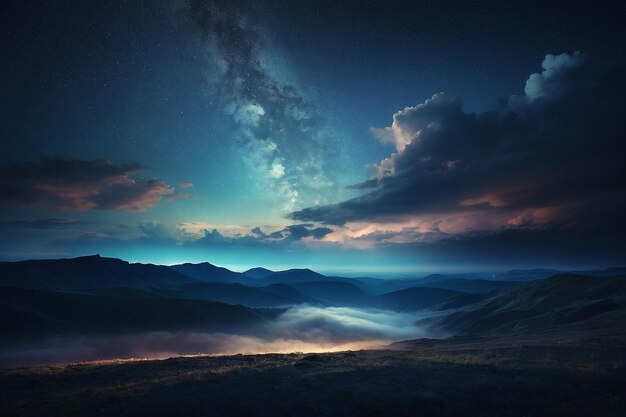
{"type": "Point", "coordinates": [302, 328]}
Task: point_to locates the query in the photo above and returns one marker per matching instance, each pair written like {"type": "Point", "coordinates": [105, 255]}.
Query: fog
{"type": "Point", "coordinates": [299, 329]}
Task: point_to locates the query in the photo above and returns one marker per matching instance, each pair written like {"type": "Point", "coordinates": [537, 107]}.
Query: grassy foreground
{"type": "Point", "coordinates": [460, 377]}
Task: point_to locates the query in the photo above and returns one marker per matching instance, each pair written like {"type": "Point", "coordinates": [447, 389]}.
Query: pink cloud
{"type": "Point", "coordinates": [59, 183]}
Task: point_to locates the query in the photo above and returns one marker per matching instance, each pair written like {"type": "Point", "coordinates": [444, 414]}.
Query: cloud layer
{"type": "Point", "coordinates": [551, 158]}
{"type": "Point", "coordinates": [299, 329]}
{"type": "Point", "coordinates": [59, 183]}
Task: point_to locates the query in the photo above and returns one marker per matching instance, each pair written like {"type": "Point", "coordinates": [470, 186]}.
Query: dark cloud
{"type": "Point", "coordinates": [43, 223]}
{"type": "Point", "coordinates": [276, 235]}
{"type": "Point", "coordinates": [554, 153]}
{"type": "Point", "coordinates": [212, 237]}
{"type": "Point", "coordinates": [155, 230]}
{"type": "Point", "coordinates": [299, 231]}
{"type": "Point", "coordinates": [524, 247]}
{"type": "Point", "coordinates": [284, 237]}
{"type": "Point", "coordinates": [281, 132]}
{"type": "Point", "coordinates": [72, 184]}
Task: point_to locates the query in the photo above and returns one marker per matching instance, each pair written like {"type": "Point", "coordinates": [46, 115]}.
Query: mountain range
{"type": "Point", "coordinates": [99, 295]}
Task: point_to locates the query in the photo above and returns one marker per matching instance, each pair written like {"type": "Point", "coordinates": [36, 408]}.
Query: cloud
{"type": "Point", "coordinates": [43, 224]}
{"type": "Point", "coordinates": [159, 231]}
{"type": "Point", "coordinates": [554, 244]}
{"type": "Point", "coordinates": [300, 231]}
{"type": "Point", "coordinates": [331, 325]}
{"type": "Point", "coordinates": [557, 78]}
{"type": "Point", "coordinates": [60, 183]}
{"type": "Point", "coordinates": [279, 133]}
{"type": "Point", "coordinates": [257, 237]}
{"type": "Point", "coordinates": [553, 157]}
{"type": "Point", "coordinates": [189, 240]}
{"type": "Point", "coordinates": [299, 329]}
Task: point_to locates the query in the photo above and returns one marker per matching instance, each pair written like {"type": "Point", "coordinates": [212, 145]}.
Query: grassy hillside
{"type": "Point", "coordinates": [431, 378]}
{"type": "Point", "coordinates": [561, 301]}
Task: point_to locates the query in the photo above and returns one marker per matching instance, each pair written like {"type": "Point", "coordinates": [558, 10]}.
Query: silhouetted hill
{"type": "Point", "coordinates": [206, 272]}
{"type": "Point", "coordinates": [563, 300]}
{"type": "Point", "coordinates": [289, 292]}
{"type": "Point", "coordinates": [379, 286]}
{"type": "Point", "coordinates": [334, 293]}
{"type": "Point", "coordinates": [413, 299]}
{"type": "Point", "coordinates": [292, 276]}
{"type": "Point", "coordinates": [257, 273]}
{"type": "Point", "coordinates": [232, 294]}
{"type": "Point", "coordinates": [429, 279]}
{"type": "Point", "coordinates": [462, 300]}
{"type": "Point", "coordinates": [606, 272]}
{"type": "Point", "coordinates": [473, 285]}
{"type": "Point", "coordinates": [122, 292]}
{"type": "Point", "coordinates": [87, 272]}
{"type": "Point", "coordinates": [34, 313]}
{"type": "Point", "coordinates": [528, 274]}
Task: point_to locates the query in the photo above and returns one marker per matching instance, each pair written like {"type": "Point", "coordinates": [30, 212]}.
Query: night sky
{"type": "Point", "coordinates": [354, 137]}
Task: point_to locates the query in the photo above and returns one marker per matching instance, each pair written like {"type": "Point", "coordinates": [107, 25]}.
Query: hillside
{"type": "Point", "coordinates": [206, 272]}
{"type": "Point", "coordinates": [560, 301]}
{"type": "Point", "coordinates": [431, 378]}
{"type": "Point", "coordinates": [234, 294]}
{"type": "Point", "coordinates": [472, 285]}
{"type": "Point", "coordinates": [334, 293]}
{"type": "Point", "coordinates": [87, 272]}
{"type": "Point", "coordinates": [257, 273]}
{"type": "Point", "coordinates": [36, 314]}
{"type": "Point", "coordinates": [291, 276]}
{"type": "Point", "coordinates": [413, 299]}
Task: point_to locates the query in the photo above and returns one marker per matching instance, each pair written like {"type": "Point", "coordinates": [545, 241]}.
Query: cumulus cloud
{"type": "Point", "coordinates": [552, 157]}
{"type": "Point", "coordinates": [159, 231]}
{"type": "Point", "coordinates": [282, 237]}
{"type": "Point", "coordinates": [559, 76]}
{"type": "Point", "coordinates": [59, 183]}
{"type": "Point", "coordinates": [277, 130]}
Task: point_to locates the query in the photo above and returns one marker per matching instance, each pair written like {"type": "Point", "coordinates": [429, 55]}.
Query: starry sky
{"type": "Point", "coordinates": [351, 137]}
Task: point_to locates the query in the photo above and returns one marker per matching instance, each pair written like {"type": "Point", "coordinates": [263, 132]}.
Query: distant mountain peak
{"type": "Point", "coordinates": [97, 258]}
{"type": "Point", "coordinates": [94, 256]}
{"type": "Point", "coordinates": [86, 272]}
{"type": "Point", "coordinates": [258, 272]}
{"type": "Point", "coordinates": [206, 272]}
{"type": "Point", "coordinates": [300, 270]}
{"type": "Point", "coordinates": [201, 264]}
